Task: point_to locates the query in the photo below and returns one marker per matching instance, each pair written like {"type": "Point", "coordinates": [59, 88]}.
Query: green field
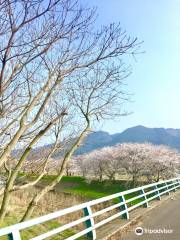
{"type": "Point", "coordinates": [76, 186]}
{"type": "Point", "coordinates": [92, 190]}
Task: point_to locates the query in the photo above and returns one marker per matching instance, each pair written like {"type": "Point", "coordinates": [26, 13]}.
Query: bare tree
{"type": "Point", "coordinates": [54, 67]}
{"type": "Point", "coordinates": [93, 94]}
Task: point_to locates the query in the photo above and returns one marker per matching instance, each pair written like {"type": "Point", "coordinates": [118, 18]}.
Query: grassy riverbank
{"type": "Point", "coordinates": [69, 192]}
{"type": "Point", "coordinates": [90, 189]}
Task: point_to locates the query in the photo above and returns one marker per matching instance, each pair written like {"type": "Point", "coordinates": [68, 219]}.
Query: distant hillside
{"type": "Point", "coordinates": [140, 134]}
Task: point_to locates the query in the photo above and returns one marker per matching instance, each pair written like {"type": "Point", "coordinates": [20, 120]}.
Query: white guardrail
{"type": "Point", "coordinates": [143, 195]}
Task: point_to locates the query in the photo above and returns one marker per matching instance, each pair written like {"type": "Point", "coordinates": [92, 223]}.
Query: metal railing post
{"type": "Point", "coordinates": [157, 192]}
{"type": "Point", "coordinates": [146, 205]}
{"type": "Point", "coordinates": [167, 188]}
{"type": "Point", "coordinates": [89, 223]}
{"type": "Point", "coordinates": [178, 183]}
{"type": "Point", "coordinates": [124, 207]}
{"type": "Point", "coordinates": [15, 235]}
{"type": "Point", "coordinates": [174, 186]}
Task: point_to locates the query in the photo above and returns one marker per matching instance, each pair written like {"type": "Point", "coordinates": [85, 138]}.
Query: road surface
{"type": "Point", "coordinates": [161, 223]}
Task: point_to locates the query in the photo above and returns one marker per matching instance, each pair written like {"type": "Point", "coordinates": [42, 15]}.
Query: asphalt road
{"type": "Point", "coordinates": [161, 223]}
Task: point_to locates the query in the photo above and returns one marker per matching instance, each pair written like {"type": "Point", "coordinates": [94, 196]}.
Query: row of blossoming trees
{"type": "Point", "coordinates": [134, 161]}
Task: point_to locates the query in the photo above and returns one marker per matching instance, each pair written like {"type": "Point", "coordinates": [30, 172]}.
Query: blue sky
{"type": "Point", "coordinates": [155, 81]}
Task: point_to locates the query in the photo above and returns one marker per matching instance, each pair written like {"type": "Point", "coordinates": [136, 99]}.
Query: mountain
{"type": "Point", "coordinates": [158, 136]}
{"type": "Point", "coordinates": [95, 140]}
{"type": "Point", "coordinates": [139, 134]}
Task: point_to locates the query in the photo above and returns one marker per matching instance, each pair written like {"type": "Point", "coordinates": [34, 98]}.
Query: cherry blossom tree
{"type": "Point", "coordinates": [141, 162]}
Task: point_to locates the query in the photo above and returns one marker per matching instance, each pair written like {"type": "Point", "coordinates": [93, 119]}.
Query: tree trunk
{"type": "Point", "coordinates": [158, 177]}
{"type": "Point", "coordinates": [14, 174]}
{"type": "Point", "coordinates": [62, 171]}
{"type": "Point", "coordinates": [134, 181]}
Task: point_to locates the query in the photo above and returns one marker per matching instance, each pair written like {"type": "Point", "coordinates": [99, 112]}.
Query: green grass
{"type": "Point", "coordinates": [94, 189]}
{"type": "Point", "coordinates": [77, 186]}
{"type": "Point", "coordinates": [40, 229]}
{"type": "Point", "coordinates": [37, 230]}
